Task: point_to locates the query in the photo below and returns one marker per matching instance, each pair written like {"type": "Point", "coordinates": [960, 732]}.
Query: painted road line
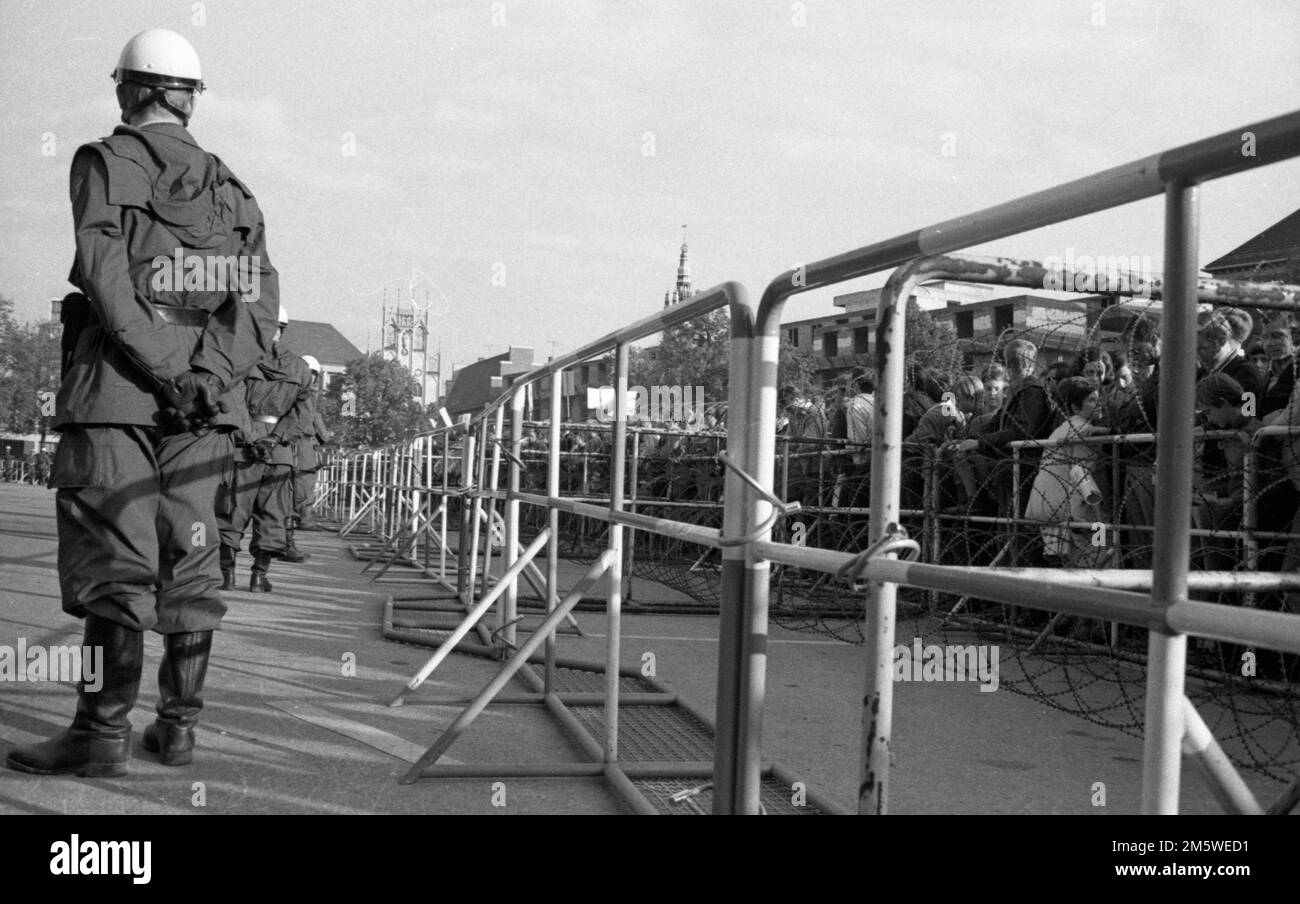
{"type": "Point", "coordinates": [391, 744]}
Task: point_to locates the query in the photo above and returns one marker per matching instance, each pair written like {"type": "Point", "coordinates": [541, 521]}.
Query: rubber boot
{"type": "Point", "coordinates": [261, 565]}
{"type": "Point", "coordinates": [180, 681]}
{"type": "Point", "coordinates": [228, 556]}
{"type": "Point", "coordinates": [291, 553]}
{"type": "Point", "coordinates": [98, 744]}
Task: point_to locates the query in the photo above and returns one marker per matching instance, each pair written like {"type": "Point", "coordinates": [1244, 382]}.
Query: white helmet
{"type": "Point", "coordinates": [161, 59]}
{"type": "Point", "coordinates": [284, 316]}
{"type": "Point", "coordinates": [312, 363]}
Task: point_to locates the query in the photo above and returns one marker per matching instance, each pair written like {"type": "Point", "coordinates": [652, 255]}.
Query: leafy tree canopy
{"type": "Point", "coordinates": [374, 404]}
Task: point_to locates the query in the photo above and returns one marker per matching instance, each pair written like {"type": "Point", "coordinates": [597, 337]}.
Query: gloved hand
{"type": "Point", "coordinates": [191, 400]}
{"type": "Point", "coordinates": [261, 449]}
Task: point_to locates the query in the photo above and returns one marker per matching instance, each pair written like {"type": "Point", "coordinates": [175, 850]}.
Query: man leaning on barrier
{"type": "Point", "coordinates": [138, 467]}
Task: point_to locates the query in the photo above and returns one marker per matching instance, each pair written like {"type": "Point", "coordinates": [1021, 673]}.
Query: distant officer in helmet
{"type": "Point", "coordinates": [179, 305]}
{"type": "Point", "coordinates": [307, 456]}
{"type": "Point", "coordinates": [278, 397]}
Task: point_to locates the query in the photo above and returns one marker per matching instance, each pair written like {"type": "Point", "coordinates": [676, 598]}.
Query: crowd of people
{"type": "Point", "coordinates": [674, 459]}
{"type": "Point", "coordinates": [1065, 449]}
{"type": "Point", "coordinates": [1093, 420]}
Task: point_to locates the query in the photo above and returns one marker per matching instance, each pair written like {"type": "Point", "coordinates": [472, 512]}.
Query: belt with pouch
{"type": "Point", "coordinates": [181, 316]}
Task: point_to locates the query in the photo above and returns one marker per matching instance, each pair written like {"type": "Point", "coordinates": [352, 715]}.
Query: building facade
{"type": "Point", "coordinates": [976, 318]}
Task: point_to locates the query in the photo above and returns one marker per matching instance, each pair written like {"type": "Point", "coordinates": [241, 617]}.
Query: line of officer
{"type": "Point", "coordinates": [150, 363]}
{"type": "Point", "coordinates": [277, 399]}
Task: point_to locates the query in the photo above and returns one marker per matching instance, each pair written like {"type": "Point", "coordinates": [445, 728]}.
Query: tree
{"type": "Point", "coordinates": [29, 373]}
{"type": "Point", "coordinates": [797, 366]}
{"type": "Point", "coordinates": [374, 404]}
{"type": "Point", "coordinates": [695, 353]}
{"type": "Point", "coordinates": [930, 343]}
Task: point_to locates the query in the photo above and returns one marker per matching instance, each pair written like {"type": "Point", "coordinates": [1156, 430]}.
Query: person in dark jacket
{"type": "Point", "coordinates": [1027, 413]}
{"type": "Point", "coordinates": [1220, 339]}
{"type": "Point", "coordinates": [1279, 379]}
{"type": "Point", "coordinates": [179, 305]}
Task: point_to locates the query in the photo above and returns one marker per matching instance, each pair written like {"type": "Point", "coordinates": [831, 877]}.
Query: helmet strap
{"type": "Point", "coordinates": [159, 96]}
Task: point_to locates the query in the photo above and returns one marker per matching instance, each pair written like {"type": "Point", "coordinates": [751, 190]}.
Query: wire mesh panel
{"type": "Point", "coordinates": [571, 680]}
{"type": "Point", "coordinates": [653, 733]}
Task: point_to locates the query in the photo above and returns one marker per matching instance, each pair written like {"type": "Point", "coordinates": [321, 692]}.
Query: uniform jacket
{"type": "Point", "coordinates": [279, 387]}
{"type": "Point", "coordinates": [159, 221]}
{"type": "Point", "coordinates": [306, 451]}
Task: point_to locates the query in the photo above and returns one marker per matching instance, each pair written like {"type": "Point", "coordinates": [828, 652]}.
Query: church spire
{"type": "Point", "coordinates": [683, 272]}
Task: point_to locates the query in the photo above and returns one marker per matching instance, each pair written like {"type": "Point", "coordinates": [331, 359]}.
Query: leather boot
{"type": "Point", "coordinates": [228, 556]}
{"type": "Point", "coordinates": [180, 681]}
{"type": "Point", "coordinates": [291, 553]}
{"type": "Point", "coordinates": [261, 565]}
{"type": "Point", "coordinates": [98, 744]}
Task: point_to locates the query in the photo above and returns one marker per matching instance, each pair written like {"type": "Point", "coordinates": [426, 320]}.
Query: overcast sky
{"type": "Point", "coordinates": [563, 145]}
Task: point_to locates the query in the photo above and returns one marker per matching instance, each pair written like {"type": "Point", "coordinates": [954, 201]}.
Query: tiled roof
{"type": "Point", "coordinates": [1279, 243]}
{"type": "Point", "coordinates": [322, 341]}
{"type": "Point", "coordinates": [471, 388]}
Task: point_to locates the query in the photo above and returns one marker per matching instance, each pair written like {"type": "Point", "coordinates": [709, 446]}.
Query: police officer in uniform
{"type": "Point", "coordinates": [155, 355]}
{"type": "Point", "coordinates": [277, 398]}
{"type": "Point", "coordinates": [307, 455]}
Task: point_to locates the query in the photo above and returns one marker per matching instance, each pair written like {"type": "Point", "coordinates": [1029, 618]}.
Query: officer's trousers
{"type": "Point", "coordinates": [264, 496]}
{"type": "Point", "coordinates": [137, 525]}
{"type": "Point", "coordinates": [304, 494]}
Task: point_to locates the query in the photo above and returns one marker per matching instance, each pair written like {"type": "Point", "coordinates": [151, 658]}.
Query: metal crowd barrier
{"type": "Point", "coordinates": [383, 493]}
{"type": "Point", "coordinates": [21, 470]}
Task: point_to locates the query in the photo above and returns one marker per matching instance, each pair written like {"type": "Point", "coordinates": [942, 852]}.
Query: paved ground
{"type": "Point", "coordinates": [296, 720]}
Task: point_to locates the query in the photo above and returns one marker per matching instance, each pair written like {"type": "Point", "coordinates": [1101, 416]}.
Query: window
{"type": "Point", "coordinates": [965, 324]}
{"type": "Point", "coordinates": [1004, 318]}
{"type": "Point", "coordinates": [830, 344]}
{"type": "Point", "coordinates": [793, 335]}
{"type": "Point", "coordinates": [862, 340]}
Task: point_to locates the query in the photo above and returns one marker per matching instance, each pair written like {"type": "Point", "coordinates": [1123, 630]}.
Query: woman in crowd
{"type": "Point", "coordinates": [1065, 488]}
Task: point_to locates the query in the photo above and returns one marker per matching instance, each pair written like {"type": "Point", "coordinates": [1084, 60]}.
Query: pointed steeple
{"type": "Point", "coordinates": [683, 272]}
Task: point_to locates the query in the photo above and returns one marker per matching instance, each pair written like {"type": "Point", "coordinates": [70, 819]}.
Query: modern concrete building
{"type": "Point", "coordinates": [977, 315]}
